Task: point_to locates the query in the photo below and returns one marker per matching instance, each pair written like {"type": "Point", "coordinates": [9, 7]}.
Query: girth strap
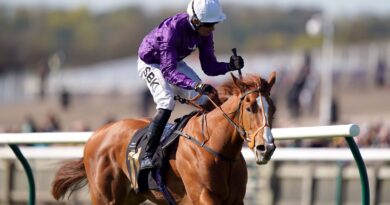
{"type": "Point", "coordinates": [167, 195]}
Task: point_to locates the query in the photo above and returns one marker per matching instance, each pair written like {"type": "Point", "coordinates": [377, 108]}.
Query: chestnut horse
{"type": "Point", "coordinates": [195, 175]}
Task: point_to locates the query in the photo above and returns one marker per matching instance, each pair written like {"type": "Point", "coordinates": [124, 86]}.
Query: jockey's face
{"type": "Point", "coordinates": [206, 30]}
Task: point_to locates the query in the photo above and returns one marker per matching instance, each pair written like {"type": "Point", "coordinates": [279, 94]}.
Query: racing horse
{"type": "Point", "coordinates": [196, 175]}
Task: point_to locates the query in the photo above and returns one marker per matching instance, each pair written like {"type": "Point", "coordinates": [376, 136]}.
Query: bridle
{"type": "Point", "coordinates": [240, 129]}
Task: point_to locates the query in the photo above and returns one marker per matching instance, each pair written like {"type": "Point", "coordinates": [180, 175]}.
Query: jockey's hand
{"type": "Point", "coordinates": [236, 63]}
{"type": "Point", "coordinates": [204, 88]}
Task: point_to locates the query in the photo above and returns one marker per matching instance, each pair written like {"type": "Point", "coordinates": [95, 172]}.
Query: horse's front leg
{"type": "Point", "coordinates": [196, 190]}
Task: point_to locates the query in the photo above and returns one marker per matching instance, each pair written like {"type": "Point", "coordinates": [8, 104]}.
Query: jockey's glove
{"type": "Point", "coordinates": [204, 88]}
{"type": "Point", "coordinates": [236, 63]}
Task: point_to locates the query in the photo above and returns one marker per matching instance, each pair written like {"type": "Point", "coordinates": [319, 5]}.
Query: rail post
{"type": "Point", "coordinates": [28, 170]}
{"type": "Point", "coordinates": [362, 169]}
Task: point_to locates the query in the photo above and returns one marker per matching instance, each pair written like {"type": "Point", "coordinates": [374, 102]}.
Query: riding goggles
{"type": "Point", "coordinates": [208, 25]}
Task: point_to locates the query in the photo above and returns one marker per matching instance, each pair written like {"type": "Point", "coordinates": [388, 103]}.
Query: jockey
{"type": "Point", "coordinates": [161, 65]}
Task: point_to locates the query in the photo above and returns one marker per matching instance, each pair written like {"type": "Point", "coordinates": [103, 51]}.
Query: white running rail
{"type": "Point", "coordinates": [279, 134]}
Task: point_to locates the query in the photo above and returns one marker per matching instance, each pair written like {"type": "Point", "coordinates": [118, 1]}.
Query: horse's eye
{"type": "Point", "coordinates": [247, 100]}
{"type": "Point", "coordinates": [248, 109]}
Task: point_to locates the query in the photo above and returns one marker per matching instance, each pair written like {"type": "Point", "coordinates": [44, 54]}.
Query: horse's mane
{"type": "Point", "coordinates": [228, 88]}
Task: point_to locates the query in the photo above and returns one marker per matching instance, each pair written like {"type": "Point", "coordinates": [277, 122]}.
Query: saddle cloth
{"type": "Point", "coordinates": [143, 180]}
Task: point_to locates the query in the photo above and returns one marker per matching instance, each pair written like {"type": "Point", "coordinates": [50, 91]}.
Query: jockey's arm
{"type": "Point", "coordinates": [168, 65]}
{"type": "Point", "coordinates": [208, 61]}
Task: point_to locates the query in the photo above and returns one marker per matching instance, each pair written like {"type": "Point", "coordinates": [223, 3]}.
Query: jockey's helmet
{"type": "Point", "coordinates": [206, 11]}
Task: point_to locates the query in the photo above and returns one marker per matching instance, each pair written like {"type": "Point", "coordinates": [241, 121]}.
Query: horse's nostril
{"type": "Point", "coordinates": [260, 148]}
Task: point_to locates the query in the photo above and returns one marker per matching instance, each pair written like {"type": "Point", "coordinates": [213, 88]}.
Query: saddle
{"type": "Point", "coordinates": [151, 179]}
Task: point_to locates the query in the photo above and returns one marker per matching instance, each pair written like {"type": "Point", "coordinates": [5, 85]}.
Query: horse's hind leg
{"type": "Point", "coordinates": [111, 186]}
{"type": "Point", "coordinates": [96, 198]}
{"type": "Point", "coordinates": [101, 180]}
{"type": "Point", "coordinates": [122, 193]}
{"type": "Point", "coordinates": [96, 193]}
{"type": "Point", "coordinates": [104, 160]}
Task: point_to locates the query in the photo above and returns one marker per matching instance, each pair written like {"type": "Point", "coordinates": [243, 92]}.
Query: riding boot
{"type": "Point", "coordinates": [154, 133]}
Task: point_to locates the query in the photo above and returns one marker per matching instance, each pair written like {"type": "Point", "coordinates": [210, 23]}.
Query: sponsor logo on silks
{"type": "Point", "coordinates": [151, 78]}
{"type": "Point", "coordinates": [193, 48]}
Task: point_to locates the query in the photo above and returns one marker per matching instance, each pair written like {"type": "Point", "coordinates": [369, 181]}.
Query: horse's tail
{"type": "Point", "coordinates": [70, 177]}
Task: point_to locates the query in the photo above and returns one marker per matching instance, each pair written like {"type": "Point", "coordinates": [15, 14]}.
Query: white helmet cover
{"type": "Point", "coordinates": [207, 11]}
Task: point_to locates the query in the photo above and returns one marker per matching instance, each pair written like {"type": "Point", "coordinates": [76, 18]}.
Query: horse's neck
{"type": "Point", "coordinates": [222, 135]}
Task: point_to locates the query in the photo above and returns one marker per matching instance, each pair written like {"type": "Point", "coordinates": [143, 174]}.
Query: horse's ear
{"type": "Point", "coordinates": [237, 82]}
{"type": "Point", "coordinates": [272, 79]}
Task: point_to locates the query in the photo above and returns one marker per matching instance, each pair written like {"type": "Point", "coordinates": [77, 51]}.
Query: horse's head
{"type": "Point", "coordinates": [256, 114]}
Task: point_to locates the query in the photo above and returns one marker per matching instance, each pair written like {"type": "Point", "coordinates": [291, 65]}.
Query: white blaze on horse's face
{"type": "Point", "coordinates": [264, 151]}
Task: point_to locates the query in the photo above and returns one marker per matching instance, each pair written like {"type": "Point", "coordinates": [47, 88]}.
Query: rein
{"type": "Point", "coordinates": [242, 132]}
{"type": "Point", "coordinates": [207, 148]}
